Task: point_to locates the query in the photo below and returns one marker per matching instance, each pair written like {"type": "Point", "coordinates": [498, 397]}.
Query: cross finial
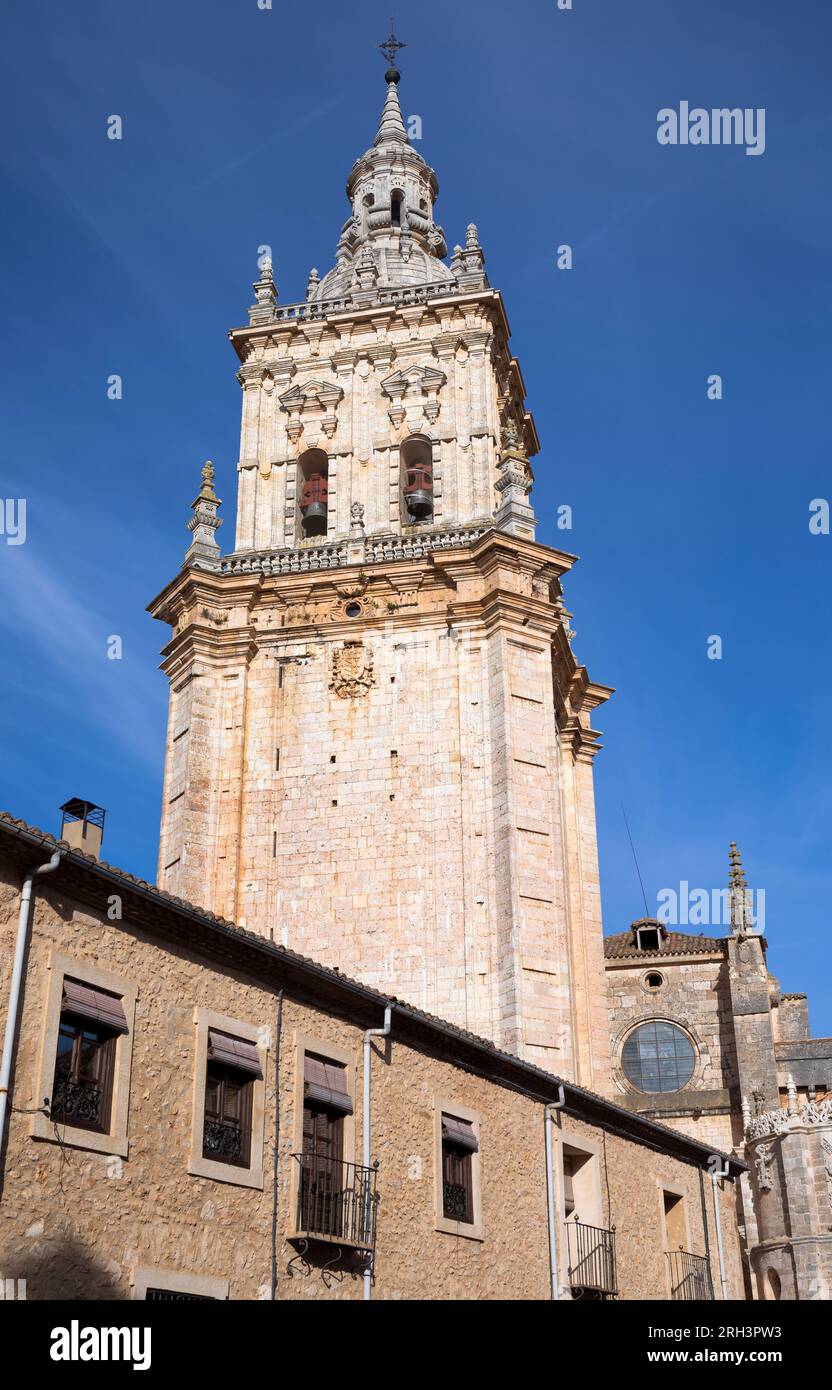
{"type": "Point", "coordinates": [391, 46]}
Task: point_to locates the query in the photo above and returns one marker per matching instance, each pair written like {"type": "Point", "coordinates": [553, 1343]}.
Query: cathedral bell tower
{"type": "Point", "coordinates": [380, 749]}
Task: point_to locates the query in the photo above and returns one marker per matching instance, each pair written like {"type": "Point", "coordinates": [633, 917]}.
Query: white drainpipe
{"type": "Point", "coordinates": [17, 981]}
{"type": "Point", "coordinates": [552, 1214]}
{"type": "Point", "coordinates": [367, 1119]}
{"type": "Point", "coordinates": [723, 1278]}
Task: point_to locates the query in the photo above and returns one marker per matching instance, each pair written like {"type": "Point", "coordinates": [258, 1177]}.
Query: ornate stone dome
{"type": "Point", "coordinates": [394, 266]}
{"type": "Point", "coordinates": [391, 240]}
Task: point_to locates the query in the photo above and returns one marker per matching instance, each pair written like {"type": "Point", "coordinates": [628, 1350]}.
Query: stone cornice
{"type": "Point", "coordinates": [492, 582]}
{"type": "Point", "coordinates": [242, 338]}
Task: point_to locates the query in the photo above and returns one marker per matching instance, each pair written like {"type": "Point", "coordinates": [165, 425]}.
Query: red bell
{"type": "Point", "coordinates": [313, 505]}
{"type": "Point", "coordinates": [419, 491]}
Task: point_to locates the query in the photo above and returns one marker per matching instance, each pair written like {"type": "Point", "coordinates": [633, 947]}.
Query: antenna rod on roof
{"type": "Point", "coordinates": [635, 861]}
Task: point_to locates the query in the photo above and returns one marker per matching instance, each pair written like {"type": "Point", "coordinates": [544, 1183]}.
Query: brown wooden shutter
{"type": "Point", "coordinates": [106, 1009]}
{"type": "Point", "coordinates": [459, 1132]}
{"type": "Point", "coordinates": [326, 1083]}
{"type": "Point", "coordinates": [233, 1052]}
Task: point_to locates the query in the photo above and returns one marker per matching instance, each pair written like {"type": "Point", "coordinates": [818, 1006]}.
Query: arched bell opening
{"type": "Point", "coordinates": [313, 490]}
{"type": "Point", "coordinates": [367, 205]}
{"type": "Point", "coordinates": [417, 479]}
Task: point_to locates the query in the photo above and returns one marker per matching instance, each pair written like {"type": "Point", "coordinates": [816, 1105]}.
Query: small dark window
{"type": "Point", "coordinates": [570, 1166]}
{"type": "Point", "coordinates": [323, 1208]}
{"type": "Point", "coordinates": [396, 210]}
{"type": "Point", "coordinates": [232, 1068]}
{"type": "Point", "coordinates": [226, 1136]}
{"type": "Point", "coordinates": [648, 939]}
{"type": "Point", "coordinates": [353, 610]}
{"type": "Point", "coordinates": [82, 1090]}
{"type": "Point", "coordinates": [459, 1144]}
{"type": "Point", "coordinates": [654, 980]}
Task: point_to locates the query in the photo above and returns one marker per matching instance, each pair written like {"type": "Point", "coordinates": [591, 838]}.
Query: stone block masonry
{"type": "Point", "coordinates": [390, 769]}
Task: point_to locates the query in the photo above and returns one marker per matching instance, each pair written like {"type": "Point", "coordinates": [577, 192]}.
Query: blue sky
{"type": "Point", "coordinates": [690, 516]}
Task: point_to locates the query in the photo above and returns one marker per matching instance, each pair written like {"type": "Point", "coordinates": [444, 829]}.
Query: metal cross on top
{"type": "Point", "coordinates": [391, 46]}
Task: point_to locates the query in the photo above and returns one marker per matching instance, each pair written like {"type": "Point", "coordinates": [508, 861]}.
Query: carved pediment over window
{"type": "Point", "coordinates": [311, 408]}
{"type": "Point", "coordinates": [417, 388]}
{"type": "Point", "coordinates": [415, 380]}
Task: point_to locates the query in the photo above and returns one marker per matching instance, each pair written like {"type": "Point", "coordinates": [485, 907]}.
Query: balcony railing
{"type": "Point", "coordinates": [223, 1140]}
{"type": "Point", "coordinates": [76, 1102]}
{"type": "Point", "coordinates": [690, 1277]}
{"type": "Point", "coordinates": [412, 544]}
{"type": "Point", "coordinates": [455, 1202]}
{"type": "Point", "coordinates": [591, 1259]}
{"type": "Point", "coordinates": [322, 308]}
{"type": "Point", "coordinates": [336, 1201]}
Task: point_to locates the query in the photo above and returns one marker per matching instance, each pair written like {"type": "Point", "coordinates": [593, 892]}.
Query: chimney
{"type": "Point", "coordinates": [82, 825]}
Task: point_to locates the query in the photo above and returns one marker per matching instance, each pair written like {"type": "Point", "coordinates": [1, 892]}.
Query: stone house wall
{"type": "Point", "coordinates": [99, 1224]}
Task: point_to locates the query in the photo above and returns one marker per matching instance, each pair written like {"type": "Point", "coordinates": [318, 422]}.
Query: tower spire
{"type": "Point", "coordinates": [740, 895]}
{"type": "Point", "coordinates": [391, 126]}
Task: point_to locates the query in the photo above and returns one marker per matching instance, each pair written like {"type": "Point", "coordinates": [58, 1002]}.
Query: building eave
{"type": "Point", "coordinates": [165, 916]}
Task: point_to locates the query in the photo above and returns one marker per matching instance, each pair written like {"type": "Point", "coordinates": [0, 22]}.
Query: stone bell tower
{"type": "Point", "coordinates": [380, 747]}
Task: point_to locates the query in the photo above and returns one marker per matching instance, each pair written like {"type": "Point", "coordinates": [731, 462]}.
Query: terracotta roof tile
{"type": "Point", "coordinates": [621, 946]}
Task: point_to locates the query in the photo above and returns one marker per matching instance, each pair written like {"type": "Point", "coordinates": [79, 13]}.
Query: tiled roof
{"type": "Point", "coordinates": [505, 1066]}
{"type": "Point", "coordinates": [676, 943]}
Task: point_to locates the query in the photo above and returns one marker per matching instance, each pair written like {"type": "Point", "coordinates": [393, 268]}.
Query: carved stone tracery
{"type": "Point", "coordinates": [780, 1121]}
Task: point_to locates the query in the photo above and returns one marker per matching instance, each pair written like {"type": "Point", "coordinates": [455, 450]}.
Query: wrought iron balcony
{"type": "Point", "coordinates": [591, 1260]}
{"type": "Point", "coordinates": [690, 1277]}
{"type": "Point", "coordinates": [77, 1103]}
{"type": "Point", "coordinates": [455, 1202]}
{"type": "Point", "coordinates": [336, 1201]}
{"type": "Point", "coordinates": [222, 1140]}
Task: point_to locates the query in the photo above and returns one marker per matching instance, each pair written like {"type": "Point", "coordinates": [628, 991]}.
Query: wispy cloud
{"type": "Point", "coordinates": [39, 611]}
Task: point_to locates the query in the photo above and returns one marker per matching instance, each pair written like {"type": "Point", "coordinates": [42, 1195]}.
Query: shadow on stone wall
{"type": "Point", "coordinates": [62, 1269]}
{"type": "Point", "coordinates": [329, 1263]}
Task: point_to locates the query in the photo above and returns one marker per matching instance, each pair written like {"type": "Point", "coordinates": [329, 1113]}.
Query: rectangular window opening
{"type": "Point", "coordinates": [232, 1068]}
{"type": "Point", "coordinates": [459, 1144]}
{"type": "Point", "coordinates": [82, 1089]}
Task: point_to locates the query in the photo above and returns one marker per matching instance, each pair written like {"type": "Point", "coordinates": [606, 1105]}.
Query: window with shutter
{"type": "Point", "coordinates": [82, 1088]}
{"type": "Point", "coordinates": [325, 1103]}
{"type": "Point", "coordinates": [459, 1144]}
{"type": "Point", "coordinates": [226, 1135]}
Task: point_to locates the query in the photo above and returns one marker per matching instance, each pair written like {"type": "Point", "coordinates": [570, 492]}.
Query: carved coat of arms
{"type": "Point", "coordinates": [352, 670]}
